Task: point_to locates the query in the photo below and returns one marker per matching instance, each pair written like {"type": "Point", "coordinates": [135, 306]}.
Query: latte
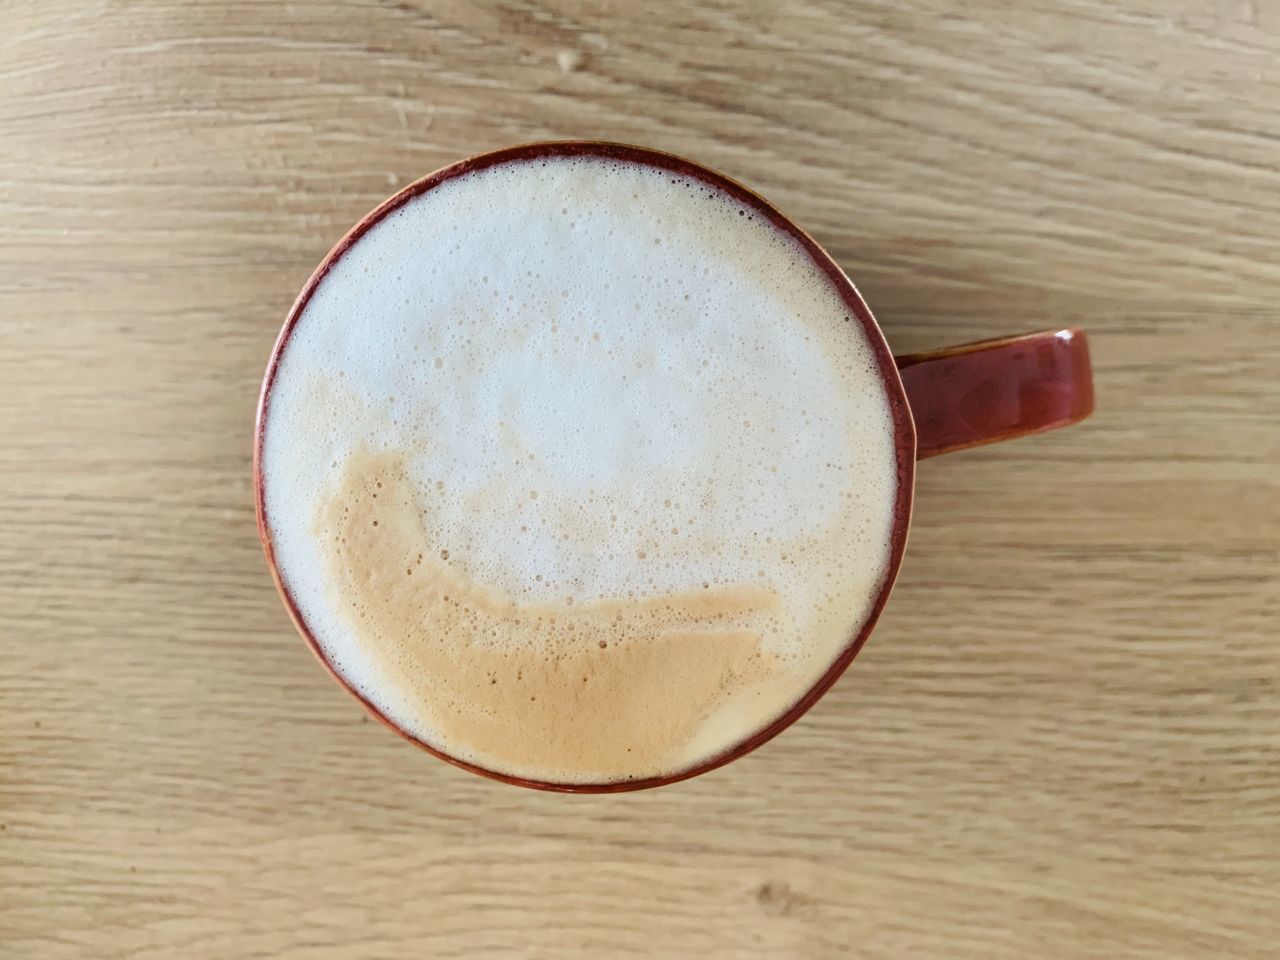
{"type": "Point", "coordinates": [579, 470]}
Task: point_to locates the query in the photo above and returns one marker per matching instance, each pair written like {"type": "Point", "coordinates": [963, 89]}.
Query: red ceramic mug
{"type": "Point", "coordinates": [943, 400]}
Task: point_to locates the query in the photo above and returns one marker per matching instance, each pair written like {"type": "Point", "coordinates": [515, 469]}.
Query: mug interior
{"type": "Point", "coordinates": [903, 430]}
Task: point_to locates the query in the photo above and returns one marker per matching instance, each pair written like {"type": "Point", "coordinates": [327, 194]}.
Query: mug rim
{"type": "Point", "coordinates": [903, 430]}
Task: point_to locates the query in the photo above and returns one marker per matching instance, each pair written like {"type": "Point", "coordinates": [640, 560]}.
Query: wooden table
{"type": "Point", "coordinates": [1064, 739]}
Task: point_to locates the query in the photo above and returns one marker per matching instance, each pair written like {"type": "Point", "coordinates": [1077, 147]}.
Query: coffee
{"type": "Point", "coordinates": [579, 469]}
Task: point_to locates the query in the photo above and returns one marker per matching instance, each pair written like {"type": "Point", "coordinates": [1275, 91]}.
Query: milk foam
{"type": "Point", "coordinates": [579, 470]}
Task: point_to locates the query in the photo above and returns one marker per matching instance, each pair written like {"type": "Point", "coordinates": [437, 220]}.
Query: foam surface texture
{"type": "Point", "coordinates": [579, 470]}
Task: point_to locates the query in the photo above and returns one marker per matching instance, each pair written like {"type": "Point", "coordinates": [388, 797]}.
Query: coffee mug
{"type": "Point", "coordinates": [939, 401]}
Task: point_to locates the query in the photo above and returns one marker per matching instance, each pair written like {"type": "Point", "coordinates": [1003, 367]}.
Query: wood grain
{"type": "Point", "coordinates": [1064, 739]}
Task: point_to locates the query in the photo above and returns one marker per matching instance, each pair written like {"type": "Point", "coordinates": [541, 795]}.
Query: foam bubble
{"type": "Point", "coordinates": [579, 470]}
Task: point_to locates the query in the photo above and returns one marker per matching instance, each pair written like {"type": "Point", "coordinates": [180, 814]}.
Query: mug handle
{"type": "Point", "coordinates": [999, 389]}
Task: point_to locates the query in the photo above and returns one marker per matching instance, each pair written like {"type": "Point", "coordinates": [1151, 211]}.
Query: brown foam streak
{"type": "Point", "coordinates": [586, 690]}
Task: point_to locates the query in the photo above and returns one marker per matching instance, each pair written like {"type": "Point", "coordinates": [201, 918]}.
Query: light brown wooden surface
{"type": "Point", "coordinates": [1063, 740]}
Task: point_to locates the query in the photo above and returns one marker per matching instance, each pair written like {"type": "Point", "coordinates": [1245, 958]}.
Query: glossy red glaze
{"type": "Point", "coordinates": [997, 389]}
{"type": "Point", "coordinates": [904, 429]}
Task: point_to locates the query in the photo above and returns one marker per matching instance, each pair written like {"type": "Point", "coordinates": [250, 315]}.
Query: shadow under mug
{"type": "Point", "coordinates": [943, 400]}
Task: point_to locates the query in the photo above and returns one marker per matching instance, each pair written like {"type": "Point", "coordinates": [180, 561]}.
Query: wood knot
{"type": "Point", "coordinates": [777, 898]}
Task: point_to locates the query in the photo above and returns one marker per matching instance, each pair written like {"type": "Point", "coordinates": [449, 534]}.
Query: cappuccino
{"type": "Point", "coordinates": [579, 470]}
